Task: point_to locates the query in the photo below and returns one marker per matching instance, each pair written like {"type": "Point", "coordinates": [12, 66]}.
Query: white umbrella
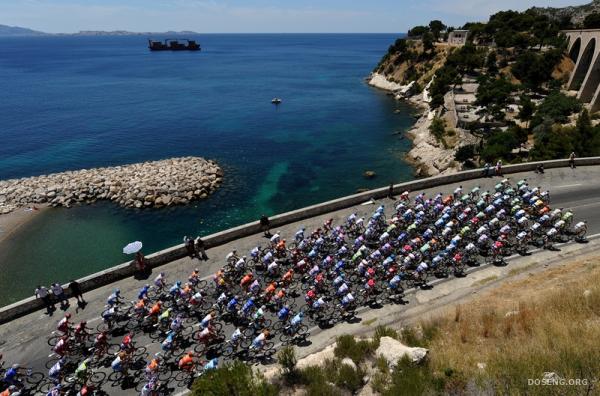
{"type": "Point", "coordinates": [133, 247]}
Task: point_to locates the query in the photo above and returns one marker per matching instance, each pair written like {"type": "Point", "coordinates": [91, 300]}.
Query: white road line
{"type": "Point", "coordinates": [569, 185]}
{"type": "Point", "coordinates": [584, 205]}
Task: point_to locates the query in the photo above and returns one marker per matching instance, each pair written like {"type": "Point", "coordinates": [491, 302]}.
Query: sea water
{"type": "Point", "coordinates": [81, 102]}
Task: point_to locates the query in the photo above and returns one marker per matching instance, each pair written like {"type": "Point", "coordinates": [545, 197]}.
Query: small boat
{"type": "Point", "coordinates": [275, 101]}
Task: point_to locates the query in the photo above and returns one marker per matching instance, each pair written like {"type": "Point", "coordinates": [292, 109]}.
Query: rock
{"type": "Point", "coordinates": [511, 313]}
{"type": "Point", "coordinates": [587, 294]}
{"type": "Point", "coordinates": [175, 181]}
{"type": "Point", "coordinates": [393, 350]}
{"type": "Point", "coordinates": [481, 366]}
{"type": "Point", "coordinates": [349, 362]}
{"type": "Point", "coordinates": [369, 174]}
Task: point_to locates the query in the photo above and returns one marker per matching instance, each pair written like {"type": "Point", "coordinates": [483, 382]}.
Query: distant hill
{"type": "Point", "coordinates": [125, 33]}
{"type": "Point", "coordinates": [15, 31]}
{"type": "Point", "coordinates": [18, 31]}
{"type": "Point", "coordinates": [576, 13]}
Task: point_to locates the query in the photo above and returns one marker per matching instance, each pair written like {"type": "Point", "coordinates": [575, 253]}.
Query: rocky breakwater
{"type": "Point", "coordinates": [169, 182]}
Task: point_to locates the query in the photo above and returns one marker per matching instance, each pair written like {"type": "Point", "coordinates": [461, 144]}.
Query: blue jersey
{"type": "Point", "coordinates": [143, 292]}
{"type": "Point", "coordinates": [232, 304]}
{"type": "Point", "coordinates": [283, 313]}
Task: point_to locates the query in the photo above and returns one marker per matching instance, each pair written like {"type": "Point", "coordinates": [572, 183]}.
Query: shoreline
{"type": "Point", "coordinates": [11, 223]}
{"type": "Point", "coordinates": [427, 155]}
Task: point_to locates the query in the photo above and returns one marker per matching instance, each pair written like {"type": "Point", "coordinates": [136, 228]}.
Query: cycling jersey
{"type": "Point", "coordinates": [283, 313]}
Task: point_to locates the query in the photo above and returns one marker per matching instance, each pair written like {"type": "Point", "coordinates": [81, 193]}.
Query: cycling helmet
{"type": "Point", "coordinates": [68, 315]}
{"type": "Point", "coordinates": [83, 323]}
{"type": "Point", "coordinates": [162, 274]}
{"type": "Point", "coordinates": [117, 291]}
{"type": "Point", "coordinates": [15, 366]}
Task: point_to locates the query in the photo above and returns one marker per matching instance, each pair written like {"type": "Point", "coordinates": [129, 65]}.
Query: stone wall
{"type": "Point", "coordinates": [113, 274]}
{"type": "Point", "coordinates": [175, 181]}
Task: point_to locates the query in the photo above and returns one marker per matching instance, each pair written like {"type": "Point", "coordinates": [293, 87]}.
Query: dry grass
{"type": "Point", "coordinates": [552, 327]}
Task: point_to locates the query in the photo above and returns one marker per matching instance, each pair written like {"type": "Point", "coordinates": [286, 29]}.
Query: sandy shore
{"type": "Point", "coordinates": [11, 222]}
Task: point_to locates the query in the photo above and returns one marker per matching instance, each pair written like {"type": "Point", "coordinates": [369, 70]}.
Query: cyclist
{"type": "Point", "coordinates": [114, 298]}
{"type": "Point", "coordinates": [101, 343]}
{"type": "Point", "coordinates": [120, 363]}
{"type": "Point", "coordinates": [62, 346]}
{"type": "Point", "coordinates": [260, 340]}
{"type": "Point", "coordinates": [186, 363]}
{"type": "Point", "coordinates": [153, 367]}
{"type": "Point", "coordinates": [283, 313]}
{"type": "Point", "coordinates": [143, 292]}
{"type": "Point", "coordinates": [160, 281]}
{"type": "Point", "coordinates": [64, 325]}
{"type": "Point", "coordinates": [81, 373]}
{"type": "Point", "coordinates": [80, 332]}
{"type": "Point", "coordinates": [56, 371]}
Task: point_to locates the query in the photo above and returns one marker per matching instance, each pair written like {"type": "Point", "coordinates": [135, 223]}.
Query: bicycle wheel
{"type": "Point", "coordinates": [53, 340]}
{"type": "Point", "coordinates": [229, 350]}
{"type": "Point", "coordinates": [97, 378]}
{"type": "Point", "coordinates": [116, 377]}
{"type": "Point", "coordinates": [45, 387]}
{"type": "Point", "coordinates": [278, 326]}
{"type": "Point", "coordinates": [34, 378]}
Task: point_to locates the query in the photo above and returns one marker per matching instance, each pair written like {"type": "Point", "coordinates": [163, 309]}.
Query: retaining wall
{"type": "Point", "coordinates": [121, 271]}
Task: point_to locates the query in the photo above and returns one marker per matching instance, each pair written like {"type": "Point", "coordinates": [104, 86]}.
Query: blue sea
{"type": "Point", "coordinates": [80, 102]}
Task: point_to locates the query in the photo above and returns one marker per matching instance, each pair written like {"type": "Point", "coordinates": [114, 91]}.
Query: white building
{"type": "Point", "coordinates": [458, 37]}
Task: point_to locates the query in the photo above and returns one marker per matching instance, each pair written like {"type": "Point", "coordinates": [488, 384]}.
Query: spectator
{"type": "Point", "coordinates": [265, 225]}
{"type": "Point", "coordinates": [201, 252]}
{"type": "Point", "coordinates": [140, 262]}
{"type": "Point", "coordinates": [499, 168]}
{"type": "Point", "coordinates": [540, 169]}
{"type": "Point", "coordinates": [59, 295]}
{"type": "Point", "coordinates": [486, 169]}
{"type": "Point", "coordinates": [391, 191]}
{"type": "Point", "coordinates": [189, 246]}
{"type": "Point", "coordinates": [43, 293]}
{"type": "Point", "coordinates": [572, 160]}
{"type": "Point", "coordinates": [76, 291]}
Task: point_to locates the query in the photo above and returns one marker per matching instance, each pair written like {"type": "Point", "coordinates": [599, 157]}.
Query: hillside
{"type": "Point", "coordinates": [14, 31]}
{"type": "Point", "coordinates": [576, 14]}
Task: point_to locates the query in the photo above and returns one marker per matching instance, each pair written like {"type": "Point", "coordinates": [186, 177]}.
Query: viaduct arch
{"type": "Point", "coordinates": [584, 50]}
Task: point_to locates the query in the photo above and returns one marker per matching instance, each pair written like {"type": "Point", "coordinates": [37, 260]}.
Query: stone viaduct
{"type": "Point", "coordinates": [584, 50]}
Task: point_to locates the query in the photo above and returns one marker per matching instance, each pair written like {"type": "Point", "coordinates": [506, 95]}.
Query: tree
{"type": "Point", "coordinates": [592, 21]}
{"type": "Point", "coordinates": [438, 128]}
{"type": "Point", "coordinates": [584, 135]}
{"type": "Point", "coordinates": [436, 27]}
{"type": "Point", "coordinates": [527, 109]}
{"type": "Point", "coordinates": [493, 95]}
{"type": "Point", "coordinates": [557, 107]}
{"type": "Point", "coordinates": [418, 31]}
{"type": "Point", "coordinates": [465, 153]}
{"type": "Point", "coordinates": [428, 42]}
{"type": "Point", "coordinates": [491, 64]}
{"type": "Point", "coordinates": [551, 141]}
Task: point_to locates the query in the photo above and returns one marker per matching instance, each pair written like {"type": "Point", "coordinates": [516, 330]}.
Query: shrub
{"type": "Point", "coordinates": [349, 378]}
{"type": "Point", "coordinates": [348, 346]}
{"type": "Point", "coordinates": [233, 379]}
{"type": "Point", "coordinates": [465, 153]}
{"type": "Point", "coordinates": [287, 359]}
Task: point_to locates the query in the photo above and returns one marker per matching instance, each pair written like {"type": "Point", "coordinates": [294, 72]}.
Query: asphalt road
{"type": "Point", "coordinates": [24, 340]}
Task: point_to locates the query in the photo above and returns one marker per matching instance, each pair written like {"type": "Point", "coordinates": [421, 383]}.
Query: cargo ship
{"type": "Point", "coordinates": [174, 45]}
